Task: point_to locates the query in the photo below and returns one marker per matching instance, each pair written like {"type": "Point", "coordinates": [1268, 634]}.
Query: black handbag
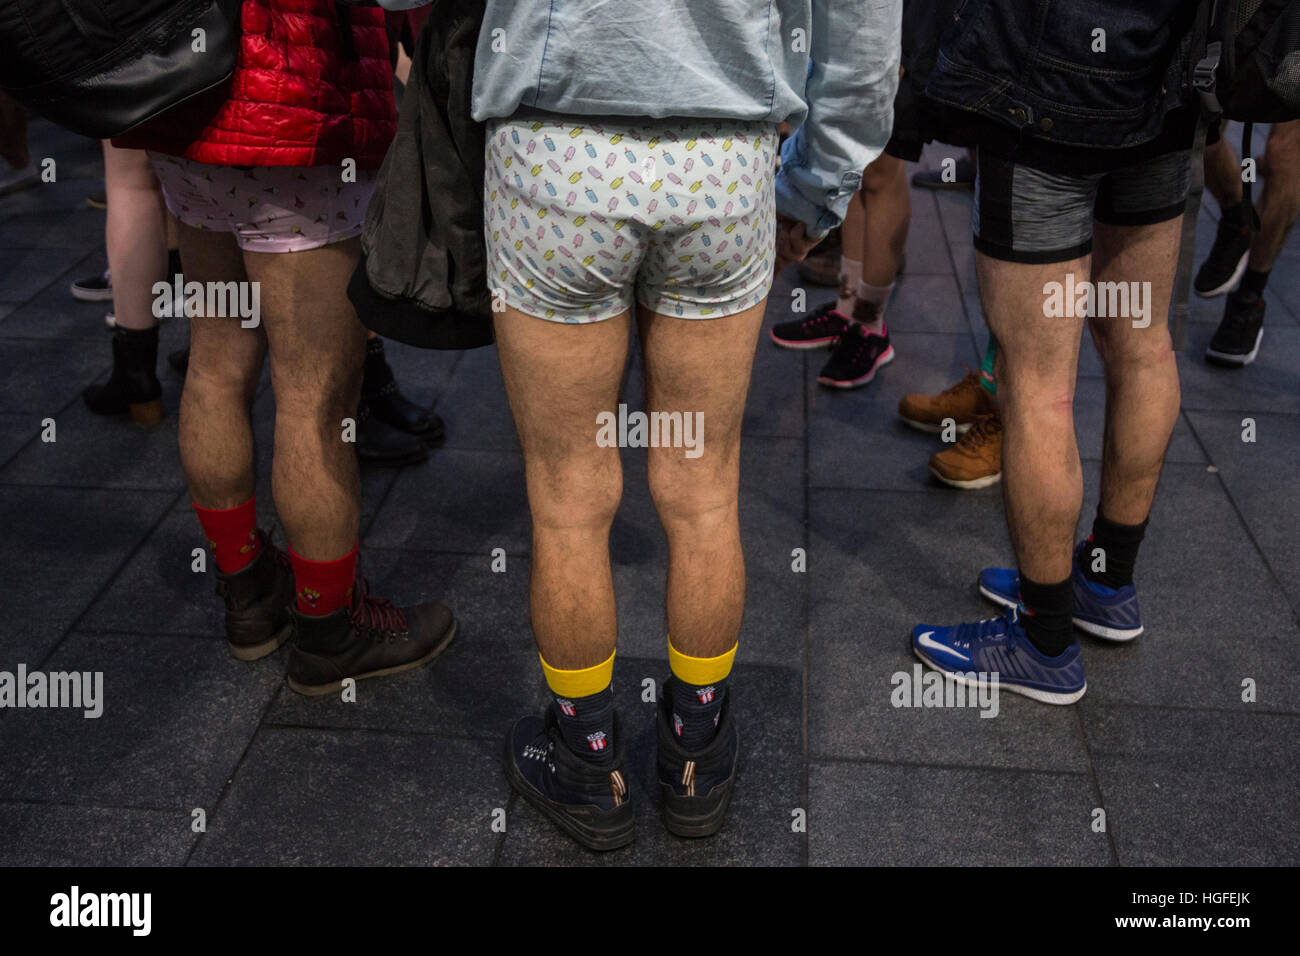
{"type": "Point", "coordinates": [101, 67]}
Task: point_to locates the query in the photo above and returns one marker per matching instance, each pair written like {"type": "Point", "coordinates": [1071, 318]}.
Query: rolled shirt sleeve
{"type": "Point", "coordinates": [850, 91]}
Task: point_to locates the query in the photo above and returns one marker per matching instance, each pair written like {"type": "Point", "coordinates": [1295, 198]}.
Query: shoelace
{"type": "Point", "coordinates": [983, 428]}
{"type": "Point", "coordinates": [373, 614]}
{"type": "Point", "coordinates": [819, 317]}
{"type": "Point", "coordinates": [971, 631]}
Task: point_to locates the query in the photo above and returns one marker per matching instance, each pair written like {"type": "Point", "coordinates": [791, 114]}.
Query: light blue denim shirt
{"type": "Point", "coordinates": [829, 67]}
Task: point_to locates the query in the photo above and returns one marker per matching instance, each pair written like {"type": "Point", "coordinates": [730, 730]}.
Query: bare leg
{"type": "Point", "coordinates": [887, 212]}
{"type": "Point", "coordinates": [216, 431]}
{"type": "Point", "coordinates": [1279, 202]}
{"type": "Point", "coordinates": [701, 366]}
{"type": "Point", "coordinates": [1037, 364]}
{"type": "Point", "coordinates": [558, 378]}
{"type": "Point", "coordinates": [1142, 395]}
{"type": "Point", "coordinates": [316, 345]}
{"type": "Point", "coordinates": [135, 232]}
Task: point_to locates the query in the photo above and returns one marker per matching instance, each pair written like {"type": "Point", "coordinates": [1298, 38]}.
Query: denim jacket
{"type": "Point", "coordinates": [1077, 73]}
{"type": "Point", "coordinates": [830, 65]}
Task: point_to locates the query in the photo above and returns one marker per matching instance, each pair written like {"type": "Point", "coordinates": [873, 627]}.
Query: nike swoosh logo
{"type": "Point", "coordinates": [925, 641]}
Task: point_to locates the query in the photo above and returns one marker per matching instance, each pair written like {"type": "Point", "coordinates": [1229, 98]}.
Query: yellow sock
{"type": "Point", "coordinates": [700, 670]}
{"type": "Point", "coordinates": [579, 683]}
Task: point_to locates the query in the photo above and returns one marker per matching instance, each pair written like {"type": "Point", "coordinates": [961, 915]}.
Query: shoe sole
{"type": "Point", "coordinates": [319, 690]}
{"type": "Point", "coordinates": [1233, 279]}
{"type": "Point", "coordinates": [930, 428]}
{"type": "Point", "coordinates": [803, 346]}
{"type": "Point", "coordinates": [885, 358]}
{"type": "Point", "coordinates": [968, 484]}
{"type": "Point", "coordinates": [697, 826]}
{"type": "Point", "coordinates": [1116, 634]}
{"type": "Point", "coordinates": [601, 841]}
{"type": "Point", "coordinates": [1060, 699]}
{"type": "Point", "coordinates": [91, 295]}
{"type": "Point", "coordinates": [1229, 360]}
{"type": "Point", "coordinates": [255, 652]}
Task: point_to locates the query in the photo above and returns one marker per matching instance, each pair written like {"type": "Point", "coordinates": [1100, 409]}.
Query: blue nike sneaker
{"type": "Point", "coordinates": [1103, 612]}
{"type": "Point", "coordinates": [999, 646]}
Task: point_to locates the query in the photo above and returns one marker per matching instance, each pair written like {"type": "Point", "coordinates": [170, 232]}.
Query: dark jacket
{"type": "Point", "coordinates": [1030, 66]}
{"type": "Point", "coordinates": [422, 279]}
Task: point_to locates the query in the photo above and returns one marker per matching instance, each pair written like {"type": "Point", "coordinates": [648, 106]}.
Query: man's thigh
{"type": "Point", "coordinates": [699, 368]}
{"type": "Point", "coordinates": [316, 342]}
{"type": "Point", "coordinates": [219, 345]}
{"type": "Point", "coordinates": [559, 378]}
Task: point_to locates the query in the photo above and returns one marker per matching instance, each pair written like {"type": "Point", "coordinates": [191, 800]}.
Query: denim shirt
{"type": "Point", "coordinates": [829, 67]}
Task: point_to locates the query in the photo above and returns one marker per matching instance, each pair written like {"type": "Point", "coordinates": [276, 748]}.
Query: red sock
{"type": "Point", "coordinates": [323, 586]}
{"type": "Point", "coordinates": [232, 534]}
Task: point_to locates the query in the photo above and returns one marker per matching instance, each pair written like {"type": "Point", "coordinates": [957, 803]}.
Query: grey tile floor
{"type": "Point", "coordinates": [96, 554]}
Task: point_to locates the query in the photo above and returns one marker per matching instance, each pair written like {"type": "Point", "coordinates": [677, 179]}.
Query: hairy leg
{"type": "Point", "coordinates": [559, 377]}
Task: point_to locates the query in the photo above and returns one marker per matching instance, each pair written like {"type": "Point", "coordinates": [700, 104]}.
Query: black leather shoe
{"type": "Point", "coordinates": [380, 444]}
{"type": "Point", "coordinates": [387, 403]}
{"type": "Point", "coordinates": [258, 597]}
{"type": "Point", "coordinates": [133, 388]}
{"type": "Point", "coordinates": [370, 639]}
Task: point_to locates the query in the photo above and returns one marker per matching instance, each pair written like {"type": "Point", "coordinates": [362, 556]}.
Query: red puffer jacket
{"type": "Point", "coordinates": [313, 86]}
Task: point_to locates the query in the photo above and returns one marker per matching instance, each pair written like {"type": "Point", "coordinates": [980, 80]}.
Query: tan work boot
{"type": "Point", "coordinates": [963, 403]}
{"type": "Point", "coordinates": [976, 460]}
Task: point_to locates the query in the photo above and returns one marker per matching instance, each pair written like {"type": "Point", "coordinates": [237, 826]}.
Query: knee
{"type": "Point", "coordinates": [1122, 348]}
{"type": "Point", "coordinates": [567, 492]}
{"type": "Point", "coordinates": [692, 490]}
{"type": "Point", "coordinates": [882, 175]}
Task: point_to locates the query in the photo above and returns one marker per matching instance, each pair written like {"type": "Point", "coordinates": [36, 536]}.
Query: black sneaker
{"type": "Point", "coordinates": [1226, 263]}
{"type": "Point", "coordinates": [820, 327]}
{"type": "Point", "coordinates": [1236, 341]}
{"type": "Point", "coordinates": [370, 639]}
{"type": "Point", "coordinates": [586, 799]}
{"type": "Point", "coordinates": [93, 288]}
{"type": "Point", "coordinates": [258, 597]}
{"type": "Point", "coordinates": [696, 785]}
{"type": "Point", "coordinates": [857, 356]}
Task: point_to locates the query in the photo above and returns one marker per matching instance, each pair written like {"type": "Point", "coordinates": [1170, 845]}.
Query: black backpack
{"type": "Point", "coordinates": [100, 67]}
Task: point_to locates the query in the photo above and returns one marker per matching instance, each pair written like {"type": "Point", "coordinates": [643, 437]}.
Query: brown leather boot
{"type": "Point", "coordinates": [258, 597]}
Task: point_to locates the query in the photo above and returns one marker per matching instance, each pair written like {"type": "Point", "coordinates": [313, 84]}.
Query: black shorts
{"type": "Point", "coordinates": [1025, 214]}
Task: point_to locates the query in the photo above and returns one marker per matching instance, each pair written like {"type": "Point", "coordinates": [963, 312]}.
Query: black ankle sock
{"type": "Point", "coordinates": [1119, 546]}
{"type": "Point", "coordinates": [1049, 612]}
{"type": "Point", "coordinates": [1253, 281]}
{"type": "Point", "coordinates": [1236, 215]}
{"type": "Point", "coordinates": [696, 709]}
{"type": "Point", "coordinates": [587, 724]}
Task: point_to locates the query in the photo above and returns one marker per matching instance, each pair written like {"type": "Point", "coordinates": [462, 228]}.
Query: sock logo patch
{"type": "Point", "coordinates": [677, 725]}
{"type": "Point", "coordinates": [309, 597]}
{"type": "Point", "coordinates": [597, 740]}
{"type": "Point", "coordinates": [566, 707]}
{"type": "Point", "coordinates": [705, 694]}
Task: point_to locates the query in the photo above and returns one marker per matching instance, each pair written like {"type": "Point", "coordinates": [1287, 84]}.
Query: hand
{"type": "Point", "coordinates": [792, 242]}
